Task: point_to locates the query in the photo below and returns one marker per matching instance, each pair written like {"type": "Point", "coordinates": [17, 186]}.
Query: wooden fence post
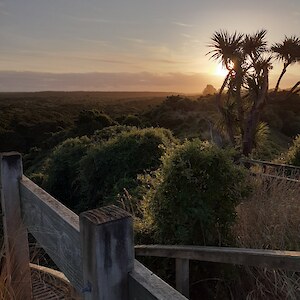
{"type": "Point", "coordinates": [182, 276]}
{"type": "Point", "coordinates": [15, 233]}
{"type": "Point", "coordinates": [107, 252]}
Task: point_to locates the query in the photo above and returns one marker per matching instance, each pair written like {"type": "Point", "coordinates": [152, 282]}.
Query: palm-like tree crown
{"type": "Point", "coordinates": [288, 51]}
{"type": "Point", "coordinates": [227, 47]}
{"type": "Point", "coordinates": [254, 45]}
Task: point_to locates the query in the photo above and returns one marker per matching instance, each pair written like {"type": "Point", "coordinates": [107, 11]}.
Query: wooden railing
{"type": "Point", "coordinates": [270, 164]}
{"type": "Point", "coordinates": [274, 170]}
{"type": "Point", "coordinates": [94, 250]}
{"type": "Point", "coordinates": [273, 259]}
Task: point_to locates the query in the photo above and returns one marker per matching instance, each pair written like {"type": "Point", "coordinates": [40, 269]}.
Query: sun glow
{"type": "Point", "coordinates": [221, 71]}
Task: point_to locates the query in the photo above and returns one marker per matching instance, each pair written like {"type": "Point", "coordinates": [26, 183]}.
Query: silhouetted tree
{"type": "Point", "coordinates": [289, 53]}
{"type": "Point", "coordinates": [246, 84]}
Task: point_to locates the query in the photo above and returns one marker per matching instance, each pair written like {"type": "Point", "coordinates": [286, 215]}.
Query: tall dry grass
{"type": "Point", "coordinates": [270, 219]}
{"type": "Point", "coordinates": [6, 291]}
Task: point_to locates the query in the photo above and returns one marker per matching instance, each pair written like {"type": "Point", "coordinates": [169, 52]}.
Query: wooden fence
{"type": "Point", "coordinates": [273, 259]}
{"type": "Point", "coordinates": [95, 250]}
{"type": "Point", "coordinates": [274, 170]}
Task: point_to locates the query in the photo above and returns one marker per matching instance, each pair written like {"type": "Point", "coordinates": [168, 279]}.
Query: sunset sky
{"type": "Point", "coordinates": [156, 45]}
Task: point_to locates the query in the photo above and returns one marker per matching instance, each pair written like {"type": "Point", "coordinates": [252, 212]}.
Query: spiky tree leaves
{"type": "Point", "coordinates": [254, 45]}
{"type": "Point", "coordinates": [288, 51]}
{"type": "Point", "coordinates": [245, 57]}
{"type": "Point", "coordinates": [226, 48]}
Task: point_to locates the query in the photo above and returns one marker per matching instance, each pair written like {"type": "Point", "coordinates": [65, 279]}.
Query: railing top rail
{"type": "Point", "coordinates": [271, 164]}
{"type": "Point", "coordinates": [145, 285]}
{"type": "Point", "coordinates": [275, 177]}
{"type": "Point", "coordinates": [289, 260]}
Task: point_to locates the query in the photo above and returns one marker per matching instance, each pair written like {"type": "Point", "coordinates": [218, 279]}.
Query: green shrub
{"type": "Point", "coordinates": [193, 200]}
{"type": "Point", "coordinates": [132, 120]}
{"type": "Point", "coordinates": [112, 166]}
{"type": "Point", "coordinates": [63, 170]}
{"type": "Point", "coordinates": [110, 132]}
{"type": "Point", "coordinates": [90, 120]}
{"type": "Point", "coordinates": [293, 154]}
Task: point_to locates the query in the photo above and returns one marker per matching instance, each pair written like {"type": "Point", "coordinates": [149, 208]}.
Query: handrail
{"type": "Point", "coordinates": [274, 259]}
{"type": "Point", "coordinates": [271, 164]}
{"type": "Point", "coordinates": [289, 260]}
{"type": "Point", "coordinates": [275, 177]}
{"type": "Point", "coordinates": [94, 250]}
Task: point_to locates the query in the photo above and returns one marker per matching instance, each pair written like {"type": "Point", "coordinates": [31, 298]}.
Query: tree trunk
{"type": "Point", "coordinates": [279, 79]}
{"type": "Point", "coordinates": [293, 90]}
{"type": "Point", "coordinates": [254, 115]}
{"type": "Point", "coordinates": [239, 101]}
{"type": "Point", "coordinates": [228, 123]}
{"type": "Point", "coordinates": [249, 134]}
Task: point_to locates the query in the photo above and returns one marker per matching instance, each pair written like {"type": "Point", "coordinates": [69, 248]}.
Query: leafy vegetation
{"type": "Point", "coordinates": [104, 150]}
{"type": "Point", "coordinates": [293, 154]}
{"type": "Point", "coordinates": [62, 171]}
{"type": "Point", "coordinates": [112, 166]}
{"type": "Point", "coordinates": [185, 206]}
{"type": "Point", "coordinates": [248, 61]}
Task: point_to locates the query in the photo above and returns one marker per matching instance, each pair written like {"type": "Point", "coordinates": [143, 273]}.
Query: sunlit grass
{"type": "Point", "coordinates": [269, 219]}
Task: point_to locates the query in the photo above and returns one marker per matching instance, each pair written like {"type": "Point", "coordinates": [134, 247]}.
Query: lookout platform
{"type": "Point", "coordinates": [95, 251]}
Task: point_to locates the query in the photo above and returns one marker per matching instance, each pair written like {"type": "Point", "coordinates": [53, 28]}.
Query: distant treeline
{"type": "Point", "coordinates": [43, 119]}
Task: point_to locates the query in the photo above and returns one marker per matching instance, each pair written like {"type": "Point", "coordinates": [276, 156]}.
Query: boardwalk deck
{"type": "Point", "coordinates": [48, 284]}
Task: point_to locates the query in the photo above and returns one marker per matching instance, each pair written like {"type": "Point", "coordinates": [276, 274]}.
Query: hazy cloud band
{"type": "Point", "coordinates": [144, 81]}
{"type": "Point", "coordinates": [13, 81]}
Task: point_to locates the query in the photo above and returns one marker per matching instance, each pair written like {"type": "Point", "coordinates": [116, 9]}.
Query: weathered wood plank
{"type": "Point", "coordinates": [108, 252]}
{"type": "Point", "coordinates": [274, 259]}
{"type": "Point", "coordinates": [55, 280]}
{"type": "Point", "coordinates": [15, 233]}
{"type": "Point", "coordinates": [55, 227]}
{"type": "Point", "coordinates": [183, 276]}
{"type": "Point", "coordinates": [145, 285]}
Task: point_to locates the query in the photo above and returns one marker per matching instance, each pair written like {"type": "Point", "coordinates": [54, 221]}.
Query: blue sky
{"type": "Point", "coordinates": [157, 37]}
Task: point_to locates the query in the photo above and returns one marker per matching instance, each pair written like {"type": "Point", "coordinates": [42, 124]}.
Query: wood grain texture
{"type": "Point", "coordinates": [273, 259]}
{"type": "Point", "coordinates": [108, 252]}
{"type": "Point", "coordinates": [15, 233]}
{"type": "Point", "coordinates": [183, 276]}
{"type": "Point", "coordinates": [145, 285]}
{"type": "Point", "coordinates": [55, 227]}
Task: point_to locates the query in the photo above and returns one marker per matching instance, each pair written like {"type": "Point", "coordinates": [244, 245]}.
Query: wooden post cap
{"type": "Point", "coordinates": [105, 214]}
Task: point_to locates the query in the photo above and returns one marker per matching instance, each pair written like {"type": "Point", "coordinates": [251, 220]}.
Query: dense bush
{"type": "Point", "coordinates": [132, 120]}
{"type": "Point", "coordinates": [112, 166]}
{"type": "Point", "coordinates": [90, 120]}
{"type": "Point", "coordinates": [293, 154]}
{"type": "Point", "coordinates": [180, 103]}
{"type": "Point", "coordinates": [194, 198]}
{"type": "Point", "coordinates": [63, 170]}
{"type": "Point", "coordinates": [110, 132]}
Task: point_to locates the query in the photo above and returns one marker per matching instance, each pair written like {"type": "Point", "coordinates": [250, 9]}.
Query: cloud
{"type": "Point", "coordinates": [13, 81]}
{"type": "Point", "coordinates": [188, 36]}
{"type": "Point", "coordinates": [101, 42]}
{"type": "Point", "coordinates": [134, 40]}
{"type": "Point", "coordinates": [144, 81]}
{"type": "Point", "coordinates": [182, 24]}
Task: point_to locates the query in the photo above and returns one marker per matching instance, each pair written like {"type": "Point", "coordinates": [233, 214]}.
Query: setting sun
{"type": "Point", "coordinates": [220, 70]}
